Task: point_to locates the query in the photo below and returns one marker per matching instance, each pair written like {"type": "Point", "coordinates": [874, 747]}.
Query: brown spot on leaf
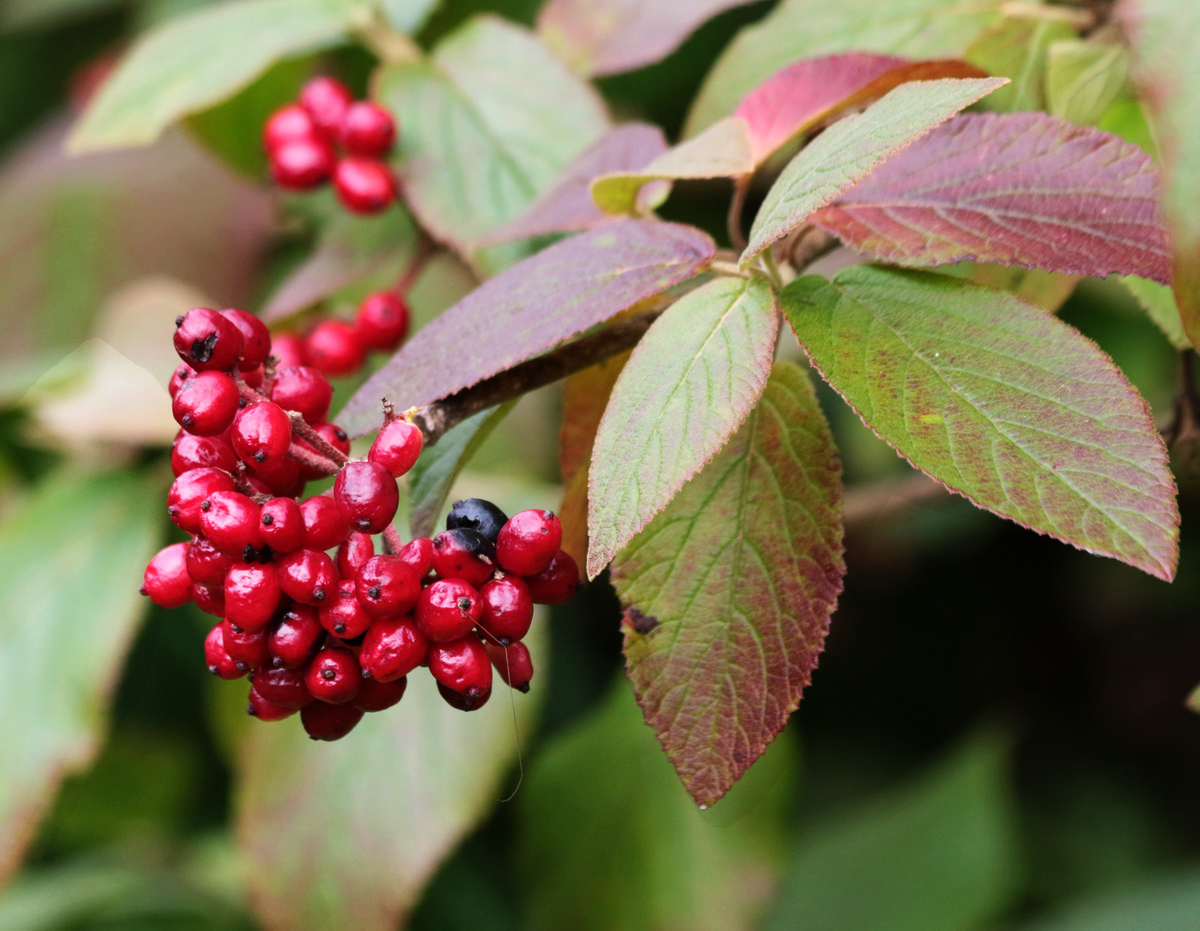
{"type": "Point", "coordinates": [641, 623]}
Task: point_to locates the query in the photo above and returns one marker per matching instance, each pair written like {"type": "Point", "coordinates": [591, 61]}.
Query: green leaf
{"type": "Point", "coordinates": [78, 547]}
{"type": "Point", "coordinates": [849, 150]}
{"type": "Point", "coordinates": [605, 781]}
{"type": "Point", "coordinates": [689, 384]}
{"type": "Point", "coordinates": [803, 28]}
{"type": "Point", "coordinates": [193, 62]}
{"type": "Point", "coordinates": [1164, 903]}
{"type": "Point", "coordinates": [392, 799]}
{"type": "Point", "coordinates": [482, 138]}
{"type": "Point", "coordinates": [1159, 303]}
{"type": "Point", "coordinates": [408, 15]}
{"type": "Point", "coordinates": [1001, 402]}
{"type": "Point", "coordinates": [430, 479]}
{"type": "Point", "coordinates": [728, 591]}
{"type": "Point", "coordinates": [1016, 48]}
{"type": "Point", "coordinates": [939, 855]}
{"type": "Point", "coordinates": [1083, 79]}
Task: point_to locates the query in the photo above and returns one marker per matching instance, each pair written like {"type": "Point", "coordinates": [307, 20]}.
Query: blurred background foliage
{"type": "Point", "coordinates": [996, 737]}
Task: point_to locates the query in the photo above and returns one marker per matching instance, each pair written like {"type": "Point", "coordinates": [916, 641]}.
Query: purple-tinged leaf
{"type": "Point", "coordinates": [549, 297]}
{"type": "Point", "coordinates": [851, 149]}
{"type": "Point", "coordinates": [1019, 189]}
{"type": "Point", "coordinates": [1001, 402]}
{"type": "Point", "coordinates": [568, 205]}
{"type": "Point", "coordinates": [816, 90]}
{"type": "Point", "coordinates": [721, 151]}
{"type": "Point", "coordinates": [728, 592]}
{"type": "Point", "coordinates": [599, 37]}
{"type": "Point", "coordinates": [1166, 71]}
{"type": "Point", "coordinates": [691, 381]}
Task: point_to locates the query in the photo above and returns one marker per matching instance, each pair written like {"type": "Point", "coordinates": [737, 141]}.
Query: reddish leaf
{"type": "Point", "coordinates": [1002, 402]}
{"type": "Point", "coordinates": [568, 205]}
{"type": "Point", "coordinates": [1020, 189]}
{"type": "Point", "coordinates": [610, 36]}
{"type": "Point", "coordinates": [728, 592]}
{"type": "Point", "coordinates": [817, 89]}
{"type": "Point", "coordinates": [552, 296]}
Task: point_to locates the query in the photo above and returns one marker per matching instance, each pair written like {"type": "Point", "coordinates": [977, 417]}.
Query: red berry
{"type": "Point", "coordinates": [462, 665]}
{"type": "Point", "coordinates": [507, 609]}
{"type": "Point", "coordinates": [513, 663]}
{"type": "Point", "coordinates": [463, 702]}
{"type": "Point", "coordinates": [207, 341]}
{"type": "Point", "coordinates": [387, 586]}
{"type": "Point", "coordinates": [296, 638]}
{"type": "Point", "coordinates": [285, 124]}
{"type": "Point", "coordinates": [333, 676]}
{"type": "Point", "coordinates": [419, 555]}
{"type": "Point", "coordinates": [190, 490]}
{"type": "Point", "coordinates": [261, 435]}
{"type": "Point", "coordinates": [326, 99]}
{"type": "Point", "coordinates": [364, 185]}
{"type": "Point", "coordinates": [303, 389]}
{"type": "Point", "coordinates": [209, 598]}
{"type": "Point", "coordinates": [382, 320]}
{"type": "Point", "coordinates": [252, 594]}
{"type": "Point", "coordinates": [256, 338]}
{"type": "Point", "coordinates": [368, 129]}
{"type": "Point", "coordinates": [323, 721]}
{"type": "Point", "coordinates": [247, 648]}
{"type": "Point", "coordinates": [356, 550]}
{"type": "Point", "coordinates": [335, 348]}
{"type": "Point", "coordinates": [288, 350]}
{"type": "Point", "coordinates": [178, 377]}
{"type": "Point", "coordinates": [557, 583]}
{"type": "Point", "coordinates": [166, 580]}
{"type": "Point", "coordinates": [367, 496]}
{"type": "Point", "coordinates": [397, 447]}
{"type": "Point", "coordinates": [282, 525]}
{"type": "Point", "coordinates": [528, 542]}
{"type": "Point", "coordinates": [448, 609]}
{"type": "Point", "coordinates": [302, 164]}
{"type": "Point", "coordinates": [307, 576]}
{"type": "Point", "coordinates": [392, 648]}
{"type": "Point", "coordinates": [374, 695]}
{"type": "Point", "coordinates": [464, 554]}
{"type": "Point", "coordinates": [343, 615]}
{"type": "Point", "coordinates": [254, 377]}
{"type": "Point", "coordinates": [324, 525]}
{"type": "Point", "coordinates": [232, 522]}
{"type": "Point", "coordinates": [283, 481]}
{"type": "Point", "coordinates": [217, 658]}
{"type": "Point", "coordinates": [206, 564]}
{"type": "Point", "coordinates": [283, 687]}
{"type": "Point", "coordinates": [259, 707]}
{"type": "Point", "coordinates": [201, 452]}
{"type": "Point", "coordinates": [206, 403]}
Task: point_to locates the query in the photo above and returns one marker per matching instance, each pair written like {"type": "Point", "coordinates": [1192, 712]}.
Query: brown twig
{"type": "Point", "coordinates": [425, 250]}
{"type": "Point", "coordinates": [310, 436]}
{"type": "Point", "coordinates": [888, 498]}
{"type": "Point", "coordinates": [391, 540]}
{"type": "Point", "coordinates": [1183, 432]}
{"type": "Point", "coordinates": [809, 245]}
{"type": "Point", "coordinates": [737, 203]}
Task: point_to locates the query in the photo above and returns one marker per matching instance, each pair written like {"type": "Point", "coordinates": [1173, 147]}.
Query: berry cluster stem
{"type": "Point", "coordinates": [301, 429]}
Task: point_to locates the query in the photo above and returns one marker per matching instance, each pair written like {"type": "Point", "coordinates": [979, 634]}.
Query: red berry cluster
{"type": "Point", "coordinates": [328, 134]}
{"type": "Point", "coordinates": [332, 636]}
{"type": "Point", "coordinates": [339, 347]}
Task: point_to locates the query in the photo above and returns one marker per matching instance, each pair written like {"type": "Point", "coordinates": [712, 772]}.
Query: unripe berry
{"type": "Point", "coordinates": [259, 707]}
{"type": "Point", "coordinates": [285, 124]}
{"type": "Point", "coordinates": [462, 665]}
{"type": "Point", "coordinates": [283, 687]}
{"type": "Point", "coordinates": [368, 129]}
{"type": "Point", "coordinates": [252, 594]}
{"type": "Point", "coordinates": [367, 496]}
{"type": "Point", "coordinates": [216, 658]}
{"type": "Point", "coordinates": [323, 721]}
{"type": "Point", "coordinates": [297, 637]}
{"type": "Point", "coordinates": [528, 542]}
{"type": "Point", "coordinates": [256, 338]}
{"type": "Point", "coordinates": [335, 348]}
{"type": "Point", "coordinates": [302, 164]}
{"type": "Point", "coordinates": [397, 447]}
{"type": "Point", "coordinates": [374, 695]}
{"type": "Point", "coordinates": [188, 493]}
{"type": "Point", "coordinates": [364, 185]}
{"type": "Point", "coordinates": [557, 583]}
{"type": "Point", "coordinates": [307, 576]}
{"type": "Point", "coordinates": [201, 452]}
{"type": "Point", "coordinates": [477, 514]}
{"type": "Point", "coordinates": [387, 586]}
{"type": "Point", "coordinates": [382, 320]}
{"type": "Point", "coordinates": [207, 341]}
{"type": "Point", "coordinates": [392, 648]}
{"type": "Point", "coordinates": [232, 522]}
{"type": "Point", "coordinates": [303, 389]}
{"type": "Point", "coordinates": [513, 663]}
{"type": "Point", "coordinates": [326, 99]}
{"type": "Point", "coordinates": [356, 550]}
{"type": "Point", "coordinates": [247, 648]}
{"type": "Point", "coordinates": [464, 554]}
{"type": "Point", "coordinates": [261, 435]}
{"type": "Point", "coordinates": [333, 676]}
{"type": "Point", "coordinates": [507, 609]}
{"type": "Point", "coordinates": [343, 615]}
{"type": "Point", "coordinates": [206, 564]}
{"type": "Point", "coordinates": [206, 403]}
{"type": "Point", "coordinates": [448, 609]}
{"type": "Point", "coordinates": [166, 581]}
{"type": "Point", "coordinates": [282, 525]}
{"type": "Point", "coordinates": [324, 524]}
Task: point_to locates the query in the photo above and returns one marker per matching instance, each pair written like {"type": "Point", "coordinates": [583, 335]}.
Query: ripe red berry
{"type": "Point", "coordinates": [283, 481]}
{"type": "Point", "coordinates": [282, 525]}
{"type": "Point", "coordinates": [216, 658]}
{"type": "Point", "coordinates": [285, 124]}
{"type": "Point", "coordinates": [288, 350]}
{"type": "Point", "coordinates": [200, 452]}
{"type": "Point", "coordinates": [261, 435]}
{"type": "Point", "coordinates": [247, 648]}
{"type": "Point", "coordinates": [232, 522]}
{"type": "Point", "coordinates": [557, 583]}
{"type": "Point", "coordinates": [326, 99]}
{"type": "Point", "coordinates": [387, 586]}
{"type": "Point", "coordinates": [448, 609]}
{"type": "Point", "coordinates": [166, 581]}
{"type": "Point", "coordinates": [307, 576]}
{"type": "Point", "coordinates": [513, 663]}
{"type": "Point", "coordinates": [368, 129]}
{"type": "Point", "coordinates": [507, 609]}
{"type": "Point", "coordinates": [461, 702]}
{"type": "Point", "coordinates": [397, 447]}
{"type": "Point", "coordinates": [367, 496]}
{"type": "Point", "coordinates": [181, 374]}
{"type": "Point", "coordinates": [477, 514]}
{"type": "Point", "coordinates": [295, 640]}
{"type": "Point", "coordinates": [304, 389]}
{"type": "Point", "coordinates": [207, 565]}
{"type": "Point", "coordinates": [252, 594]}
{"type": "Point", "coordinates": [333, 676]}
{"type": "Point", "coordinates": [353, 552]}
{"type": "Point", "coordinates": [302, 164]}
{"type": "Point", "coordinates": [392, 648]}
{"type": "Point", "coordinates": [364, 185]}
{"type": "Point", "coordinates": [464, 554]}
{"type": "Point", "coordinates": [335, 348]}
{"type": "Point", "coordinates": [324, 525]}
{"type": "Point", "coordinates": [323, 721]}
{"type": "Point", "coordinates": [528, 542]}
{"type": "Point", "coordinates": [190, 490]}
{"type": "Point", "coordinates": [374, 695]}
{"type": "Point", "coordinates": [343, 615]}
{"type": "Point", "coordinates": [209, 598]}
{"type": "Point", "coordinates": [382, 320]}
{"type": "Point", "coordinates": [256, 338]}
{"type": "Point", "coordinates": [206, 403]}
{"type": "Point", "coordinates": [462, 665]}
{"type": "Point", "coordinates": [418, 554]}
{"type": "Point", "coordinates": [207, 341]}
{"type": "Point", "coordinates": [283, 686]}
{"type": "Point", "coordinates": [259, 707]}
